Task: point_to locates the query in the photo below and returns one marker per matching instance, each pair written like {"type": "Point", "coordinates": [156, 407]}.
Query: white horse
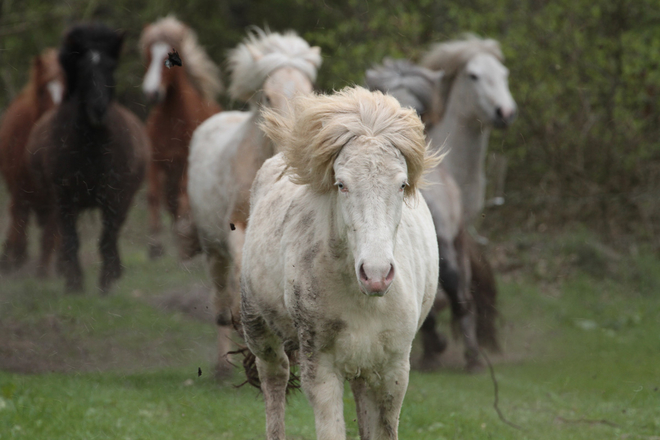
{"type": "Point", "coordinates": [340, 259]}
{"type": "Point", "coordinates": [474, 98]}
{"type": "Point", "coordinates": [226, 152]}
{"type": "Point", "coordinates": [471, 293]}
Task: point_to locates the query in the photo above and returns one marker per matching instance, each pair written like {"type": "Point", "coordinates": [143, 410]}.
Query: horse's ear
{"type": "Point", "coordinates": [115, 50]}
{"type": "Point", "coordinates": [256, 55]}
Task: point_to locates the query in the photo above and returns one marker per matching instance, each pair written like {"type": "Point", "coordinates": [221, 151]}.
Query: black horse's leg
{"type": "Point", "coordinates": [67, 216]}
{"type": "Point", "coordinates": [49, 239]}
{"type": "Point", "coordinates": [113, 218]}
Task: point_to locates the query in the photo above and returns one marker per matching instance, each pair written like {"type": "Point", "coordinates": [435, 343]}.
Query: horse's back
{"type": "Point", "coordinates": [443, 197]}
{"type": "Point", "coordinates": [129, 132]}
{"type": "Point", "coordinates": [209, 180]}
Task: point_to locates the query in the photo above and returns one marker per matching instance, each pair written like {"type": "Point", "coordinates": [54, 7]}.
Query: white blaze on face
{"type": "Point", "coordinates": [151, 83]}
{"type": "Point", "coordinates": [370, 180]}
{"type": "Point", "coordinates": [56, 89]}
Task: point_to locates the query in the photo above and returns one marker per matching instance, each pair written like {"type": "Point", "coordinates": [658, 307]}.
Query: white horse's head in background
{"type": "Point", "coordinates": [474, 79]}
{"type": "Point", "coordinates": [268, 69]}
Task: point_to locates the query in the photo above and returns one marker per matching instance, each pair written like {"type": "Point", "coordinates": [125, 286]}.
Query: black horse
{"type": "Point", "coordinates": [89, 152]}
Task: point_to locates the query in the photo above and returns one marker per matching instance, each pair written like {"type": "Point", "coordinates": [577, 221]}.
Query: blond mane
{"type": "Point", "coordinates": [313, 133]}
{"type": "Point", "coordinates": [261, 53]}
{"type": "Point", "coordinates": [203, 73]}
{"type": "Point", "coordinates": [451, 57]}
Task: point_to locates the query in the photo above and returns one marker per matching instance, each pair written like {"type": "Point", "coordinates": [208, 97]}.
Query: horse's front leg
{"type": "Point", "coordinates": [67, 216]}
{"type": "Point", "coordinates": [154, 192]}
{"type": "Point", "coordinates": [325, 390]}
{"type": "Point", "coordinates": [49, 239]}
{"type": "Point", "coordinates": [363, 406]}
{"type": "Point", "coordinates": [225, 301]}
{"type": "Point", "coordinates": [113, 218]}
{"type": "Point", "coordinates": [386, 398]}
{"type": "Point", "coordinates": [468, 317]}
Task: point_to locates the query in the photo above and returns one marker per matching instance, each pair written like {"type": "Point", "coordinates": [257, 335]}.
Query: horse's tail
{"type": "Point", "coordinates": [252, 375]}
{"type": "Point", "coordinates": [484, 294]}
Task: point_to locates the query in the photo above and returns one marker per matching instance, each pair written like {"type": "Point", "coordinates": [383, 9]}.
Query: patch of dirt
{"type": "Point", "coordinates": [193, 301]}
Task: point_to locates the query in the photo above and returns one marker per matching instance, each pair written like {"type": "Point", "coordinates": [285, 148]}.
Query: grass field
{"type": "Point", "coordinates": [580, 329]}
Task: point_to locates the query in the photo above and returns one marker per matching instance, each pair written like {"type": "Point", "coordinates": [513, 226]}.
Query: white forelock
{"type": "Point", "coordinates": [261, 53]}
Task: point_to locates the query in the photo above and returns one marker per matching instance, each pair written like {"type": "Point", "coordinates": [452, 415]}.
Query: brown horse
{"type": "Point", "coordinates": [43, 91]}
{"type": "Point", "coordinates": [89, 152]}
{"type": "Point", "coordinates": [183, 98]}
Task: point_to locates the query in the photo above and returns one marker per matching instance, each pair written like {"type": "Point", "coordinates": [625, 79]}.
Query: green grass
{"type": "Point", "coordinates": [581, 359]}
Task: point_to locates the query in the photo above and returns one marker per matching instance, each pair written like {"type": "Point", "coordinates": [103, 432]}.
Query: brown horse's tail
{"type": "Point", "coordinates": [484, 293]}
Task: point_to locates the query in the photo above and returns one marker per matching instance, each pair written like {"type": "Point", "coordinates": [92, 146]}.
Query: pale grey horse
{"type": "Point", "coordinates": [465, 276]}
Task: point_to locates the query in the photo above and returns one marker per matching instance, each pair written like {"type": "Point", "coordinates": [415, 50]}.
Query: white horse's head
{"type": "Point", "coordinates": [371, 177]}
{"type": "Point", "coordinates": [484, 90]}
{"type": "Point", "coordinates": [368, 154]}
{"type": "Point", "coordinates": [474, 79]}
{"type": "Point", "coordinates": [268, 68]}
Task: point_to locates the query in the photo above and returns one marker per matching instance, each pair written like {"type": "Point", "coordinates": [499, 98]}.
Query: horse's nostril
{"type": "Point", "coordinates": [498, 112]}
{"type": "Point", "coordinates": [390, 274]}
{"type": "Point", "coordinates": [363, 274]}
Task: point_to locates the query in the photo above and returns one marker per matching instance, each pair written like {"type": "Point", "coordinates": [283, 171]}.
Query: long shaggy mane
{"type": "Point", "coordinates": [412, 85]}
{"type": "Point", "coordinates": [261, 53]}
{"type": "Point", "coordinates": [203, 73]}
{"type": "Point", "coordinates": [317, 127]}
{"type": "Point", "coordinates": [451, 57]}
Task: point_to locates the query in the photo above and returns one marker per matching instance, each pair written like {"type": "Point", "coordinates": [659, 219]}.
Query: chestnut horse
{"type": "Point", "coordinates": [89, 152]}
{"type": "Point", "coordinates": [183, 98]}
{"type": "Point", "coordinates": [43, 91]}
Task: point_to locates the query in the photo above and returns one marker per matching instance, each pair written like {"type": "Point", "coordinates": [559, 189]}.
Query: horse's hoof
{"type": "Point", "coordinates": [74, 287]}
{"type": "Point", "coordinates": [474, 367]}
{"type": "Point", "coordinates": [432, 362]}
{"type": "Point", "coordinates": [156, 250]}
{"type": "Point", "coordinates": [223, 371]}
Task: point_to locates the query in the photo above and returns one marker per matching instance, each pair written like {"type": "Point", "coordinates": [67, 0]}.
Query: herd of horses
{"type": "Point", "coordinates": [334, 227]}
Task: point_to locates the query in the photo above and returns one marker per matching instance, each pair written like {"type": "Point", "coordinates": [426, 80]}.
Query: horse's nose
{"type": "Point", "coordinates": [505, 114]}
{"type": "Point", "coordinates": [376, 279]}
{"type": "Point", "coordinates": [153, 97]}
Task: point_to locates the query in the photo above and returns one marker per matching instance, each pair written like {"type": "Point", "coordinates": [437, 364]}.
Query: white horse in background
{"type": "Point", "coordinates": [228, 149]}
{"type": "Point", "coordinates": [465, 277]}
{"type": "Point", "coordinates": [474, 98]}
{"type": "Point", "coordinates": [340, 259]}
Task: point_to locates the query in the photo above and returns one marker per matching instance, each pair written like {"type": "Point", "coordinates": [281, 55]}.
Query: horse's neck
{"type": "Point", "coordinates": [251, 150]}
{"type": "Point", "coordinates": [465, 139]}
{"type": "Point", "coordinates": [185, 103]}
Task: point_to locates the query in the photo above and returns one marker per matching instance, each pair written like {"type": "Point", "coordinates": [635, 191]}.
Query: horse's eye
{"type": "Point", "coordinates": [403, 186]}
{"type": "Point", "coordinates": [267, 100]}
{"type": "Point", "coordinates": [473, 76]}
{"type": "Point", "coordinates": [341, 186]}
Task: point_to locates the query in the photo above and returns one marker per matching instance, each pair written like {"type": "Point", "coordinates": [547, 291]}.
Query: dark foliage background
{"type": "Point", "coordinates": [586, 146]}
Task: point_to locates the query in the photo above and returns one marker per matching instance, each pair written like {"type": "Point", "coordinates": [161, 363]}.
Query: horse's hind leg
{"type": "Point", "coordinates": [433, 342]}
{"type": "Point", "coordinates": [15, 248]}
{"type": "Point", "coordinates": [154, 191]}
{"type": "Point", "coordinates": [113, 218]}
